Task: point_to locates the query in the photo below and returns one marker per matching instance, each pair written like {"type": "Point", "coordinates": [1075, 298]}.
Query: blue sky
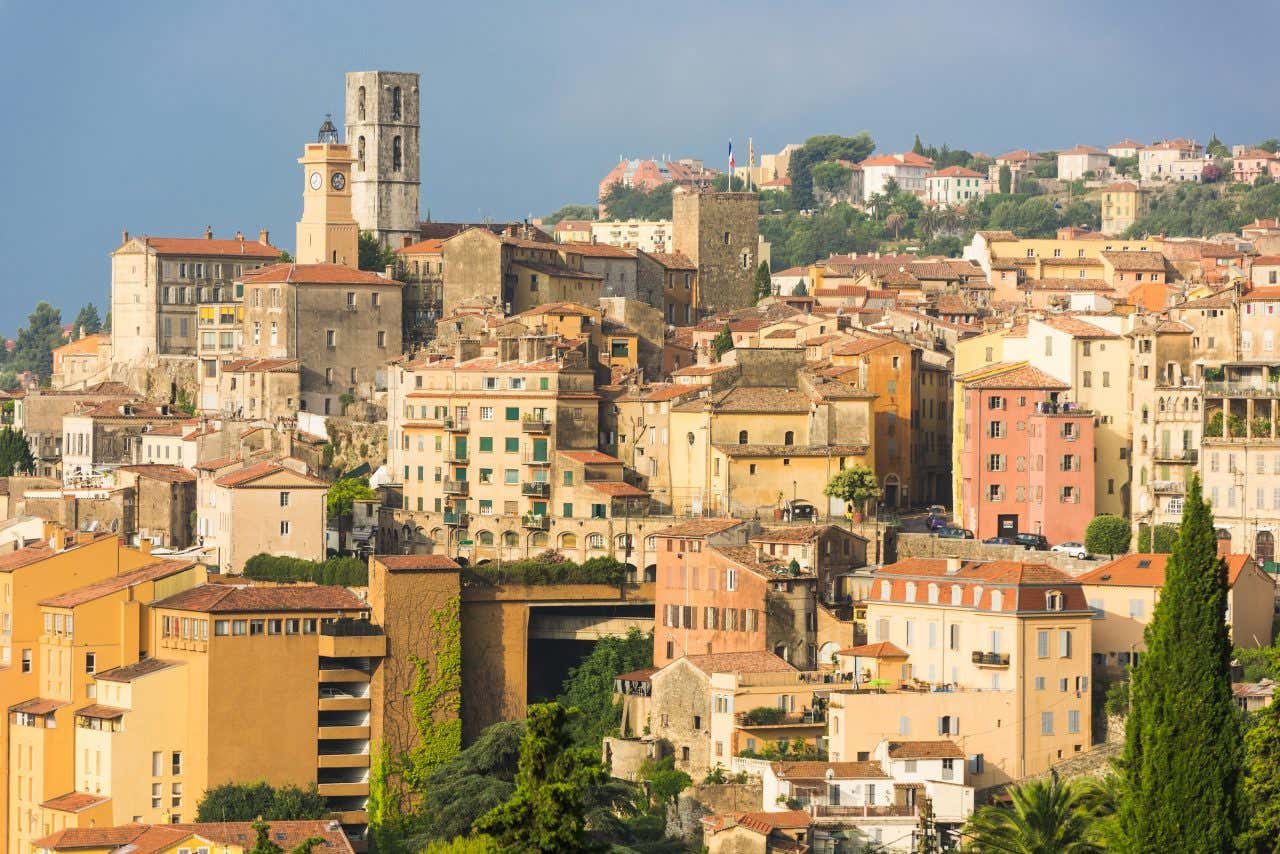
{"type": "Point", "coordinates": [165, 117]}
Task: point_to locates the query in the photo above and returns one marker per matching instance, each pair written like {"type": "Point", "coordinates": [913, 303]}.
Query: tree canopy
{"type": "Point", "coordinates": [855, 485]}
{"type": "Point", "coordinates": [821, 149]}
{"type": "Point", "coordinates": [622, 202]}
{"type": "Point", "coordinates": [248, 801]}
{"type": "Point", "coordinates": [87, 321]}
{"type": "Point", "coordinates": [343, 494]}
{"type": "Point", "coordinates": [570, 212]}
{"type": "Point", "coordinates": [375, 256]}
{"type": "Point", "coordinates": [33, 350]}
{"type": "Point", "coordinates": [15, 453]}
{"type": "Point", "coordinates": [1107, 535]}
{"type": "Point", "coordinates": [589, 687]}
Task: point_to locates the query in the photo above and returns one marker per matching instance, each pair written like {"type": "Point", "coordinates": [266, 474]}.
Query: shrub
{"type": "Point", "coordinates": [1108, 535]}
{"type": "Point", "coordinates": [549, 568]}
{"type": "Point", "coordinates": [344, 571]}
{"type": "Point", "coordinates": [1213, 427]}
{"type": "Point", "coordinates": [764, 716]}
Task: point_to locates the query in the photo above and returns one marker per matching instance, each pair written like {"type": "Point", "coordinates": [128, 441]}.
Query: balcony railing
{"type": "Point", "coordinates": [535, 425]}
{"type": "Point", "coordinates": [536, 521]}
{"type": "Point", "coordinates": [1177, 455]}
{"type": "Point", "coordinates": [809, 717]}
{"type": "Point", "coordinates": [456, 519]}
{"type": "Point", "coordinates": [456, 455]}
{"type": "Point", "coordinates": [457, 425]}
{"type": "Point", "coordinates": [456, 487]}
{"type": "Point", "coordinates": [1258, 389]}
{"type": "Point", "coordinates": [1168, 487]}
{"type": "Point", "coordinates": [990, 659]}
{"type": "Point", "coordinates": [530, 458]}
{"type": "Point", "coordinates": [861, 810]}
{"type": "Point", "coordinates": [346, 627]}
{"type": "Point", "coordinates": [536, 489]}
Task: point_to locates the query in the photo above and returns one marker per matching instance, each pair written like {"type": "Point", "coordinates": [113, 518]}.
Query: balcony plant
{"type": "Point", "coordinates": [1213, 427]}
{"type": "Point", "coordinates": [763, 716]}
{"type": "Point", "coordinates": [1235, 426]}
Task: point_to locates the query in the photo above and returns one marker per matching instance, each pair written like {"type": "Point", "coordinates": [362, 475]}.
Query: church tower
{"type": "Point", "coordinates": [327, 232]}
{"type": "Point", "coordinates": [382, 130]}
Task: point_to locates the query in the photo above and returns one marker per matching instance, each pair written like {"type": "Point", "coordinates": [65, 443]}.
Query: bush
{"type": "Point", "coordinates": [343, 571]}
{"type": "Point", "coordinates": [764, 716]}
{"type": "Point", "coordinates": [1213, 427]}
{"type": "Point", "coordinates": [549, 568]}
{"type": "Point", "coordinates": [1163, 537]}
{"type": "Point", "coordinates": [1107, 535]}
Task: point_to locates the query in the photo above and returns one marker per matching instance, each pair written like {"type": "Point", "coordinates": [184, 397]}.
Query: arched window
{"type": "Point", "coordinates": [360, 103]}
{"type": "Point", "coordinates": [624, 541]}
{"type": "Point", "coordinates": [1053, 601]}
{"type": "Point", "coordinates": [595, 541]}
{"type": "Point", "coordinates": [360, 153]}
{"type": "Point", "coordinates": [789, 437]}
{"type": "Point", "coordinates": [538, 540]}
{"type": "Point", "coordinates": [485, 538]}
{"type": "Point", "coordinates": [742, 437]}
{"type": "Point", "coordinates": [1264, 547]}
{"type": "Point", "coordinates": [397, 154]}
{"type": "Point", "coordinates": [395, 103]}
{"type": "Point", "coordinates": [933, 594]}
{"type": "Point", "coordinates": [911, 591]}
{"type": "Point", "coordinates": [568, 541]}
{"type": "Point", "coordinates": [651, 543]}
{"type": "Point", "coordinates": [510, 539]}
{"type": "Point", "coordinates": [436, 534]}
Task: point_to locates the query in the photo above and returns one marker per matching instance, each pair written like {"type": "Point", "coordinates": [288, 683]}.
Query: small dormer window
{"type": "Point", "coordinates": [886, 589]}
{"type": "Point", "coordinates": [1053, 600]}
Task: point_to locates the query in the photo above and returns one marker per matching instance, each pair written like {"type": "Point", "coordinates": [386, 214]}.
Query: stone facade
{"type": "Point", "coordinates": [382, 129]}
{"type": "Point", "coordinates": [720, 233]}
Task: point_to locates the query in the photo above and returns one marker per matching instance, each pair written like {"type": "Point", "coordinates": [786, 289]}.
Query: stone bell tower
{"type": "Point", "coordinates": [382, 130]}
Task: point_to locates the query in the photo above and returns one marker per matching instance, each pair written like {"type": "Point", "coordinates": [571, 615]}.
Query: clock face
{"type": "Point", "coordinates": [338, 180]}
{"type": "Point", "coordinates": [317, 180]}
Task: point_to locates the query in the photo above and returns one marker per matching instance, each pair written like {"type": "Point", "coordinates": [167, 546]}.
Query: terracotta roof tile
{"type": "Point", "coordinates": [759, 822]}
{"type": "Point", "coordinates": [116, 583]}
{"type": "Point", "coordinates": [257, 471]}
{"type": "Point", "coordinates": [38, 706]}
{"type": "Point", "coordinates": [590, 457]}
{"type": "Point", "coordinates": [616, 489]}
{"type": "Point", "coordinates": [697, 528]}
{"type": "Point", "coordinates": [1139, 262]}
{"type": "Point", "coordinates": [33, 553]}
{"type": "Point", "coordinates": [1026, 376]}
{"type": "Point", "coordinates": [101, 712]}
{"type": "Point", "coordinates": [130, 672]}
{"type": "Point", "coordinates": [883, 649]}
{"type": "Point", "coordinates": [234, 599]}
{"type": "Point", "coordinates": [818, 770]}
{"type": "Point", "coordinates": [316, 274]}
{"type": "Point", "coordinates": [941, 749]}
{"type": "Point", "coordinates": [673, 260]}
{"type": "Point", "coordinates": [757, 661]}
{"type": "Point", "coordinates": [74, 802]}
{"type": "Point", "coordinates": [202, 246]}
{"type": "Point", "coordinates": [148, 839]}
{"type": "Point", "coordinates": [791, 450]}
{"type": "Point", "coordinates": [1147, 570]}
{"type": "Point", "coordinates": [797, 533]}
{"type": "Point", "coordinates": [397, 563]}
{"type": "Point", "coordinates": [1077, 328]}
{"type": "Point", "coordinates": [167, 473]}
{"type": "Point", "coordinates": [599, 250]}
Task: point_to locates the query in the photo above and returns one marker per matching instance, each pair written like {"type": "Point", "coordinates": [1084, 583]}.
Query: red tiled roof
{"type": "Point", "coordinates": [818, 770]}
{"type": "Point", "coordinates": [756, 661]}
{"type": "Point", "coordinates": [260, 366]}
{"type": "Point", "coordinates": [226, 598]}
{"type": "Point", "coordinates": [38, 706]}
{"type": "Point", "coordinates": [257, 471]}
{"type": "Point", "coordinates": [1083, 149]}
{"type": "Point", "coordinates": [796, 534]}
{"type": "Point", "coordinates": [617, 489]}
{"type": "Point", "coordinates": [1026, 376]}
{"type": "Point", "coordinates": [759, 822]}
{"type": "Point", "coordinates": [956, 172]}
{"type": "Point", "coordinates": [101, 712]}
{"type": "Point", "coordinates": [148, 839]}
{"type": "Point", "coordinates": [203, 246]}
{"type": "Point", "coordinates": [130, 672]}
{"type": "Point", "coordinates": [1077, 328]}
{"type": "Point", "coordinates": [114, 584]}
{"type": "Point", "coordinates": [316, 274]}
{"type": "Point", "coordinates": [1141, 262]}
{"type": "Point", "coordinates": [641, 675]}
{"type": "Point", "coordinates": [1261, 295]}
{"type": "Point", "coordinates": [590, 457]}
{"type": "Point", "coordinates": [943, 748]}
{"type": "Point", "coordinates": [1147, 570]}
{"type": "Point", "coordinates": [33, 553]}
{"type": "Point", "coordinates": [157, 471]}
{"type": "Point", "coordinates": [396, 563]}
{"type": "Point", "coordinates": [883, 649]}
{"type": "Point", "coordinates": [430, 246]}
{"type": "Point", "coordinates": [673, 260]}
{"type": "Point", "coordinates": [74, 802]}
{"type": "Point", "coordinates": [1121, 187]}
{"type": "Point", "coordinates": [909, 158]}
{"type": "Point", "coordinates": [699, 528]}
{"type": "Point", "coordinates": [599, 250]}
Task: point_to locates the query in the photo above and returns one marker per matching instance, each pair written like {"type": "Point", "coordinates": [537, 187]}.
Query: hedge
{"type": "Point", "coordinates": [548, 568]}
{"type": "Point", "coordinates": [344, 571]}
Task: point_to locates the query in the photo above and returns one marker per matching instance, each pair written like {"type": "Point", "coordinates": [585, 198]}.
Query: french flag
{"type": "Point", "coordinates": [730, 155]}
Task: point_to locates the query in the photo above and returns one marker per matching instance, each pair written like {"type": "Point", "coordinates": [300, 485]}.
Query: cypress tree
{"type": "Point", "coordinates": [1183, 756]}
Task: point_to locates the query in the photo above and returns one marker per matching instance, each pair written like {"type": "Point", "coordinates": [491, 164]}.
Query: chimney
{"type": "Point", "coordinates": [391, 271]}
{"type": "Point", "coordinates": [208, 232]}
{"type": "Point", "coordinates": [953, 565]}
{"type": "Point", "coordinates": [124, 236]}
{"type": "Point", "coordinates": [264, 237]}
{"type": "Point", "coordinates": [240, 235]}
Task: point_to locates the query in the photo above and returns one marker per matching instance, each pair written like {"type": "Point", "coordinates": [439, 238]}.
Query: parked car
{"type": "Point", "coordinates": [998, 541]}
{"type": "Point", "coordinates": [947, 532]}
{"type": "Point", "coordinates": [1076, 550]}
{"type": "Point", "coordinates": [1036, 542]}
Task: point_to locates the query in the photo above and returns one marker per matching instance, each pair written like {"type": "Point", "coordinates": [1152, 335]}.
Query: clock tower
{"type": "Point", "coordinates": [327, 232]}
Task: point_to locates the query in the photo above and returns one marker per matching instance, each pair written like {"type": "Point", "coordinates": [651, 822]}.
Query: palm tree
{"type": "Point", "coordinates": [1043, 817]}
{"type": "Point", "coordinates": [877, 202]}
{"type": "Point", "coordinates": [930, 222]}
{"type": "Point", "coordinates": [896, 220]}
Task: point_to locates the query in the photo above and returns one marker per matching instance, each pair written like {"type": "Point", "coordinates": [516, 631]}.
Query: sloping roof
{"type": "Point", "coordinates": [257, 471]}
{"type": "Point", "coordinates": [1138, 262]}
{"type": "Point", "coordinates": [399, 563]}
{"type": "Point", "coordinates": [771, 399]}
{"type": "Point", "coordinates": [818, 770]}
{"type": "Point", "coordinates": [616, 489]}
{"type": "Point", "coordinates": [757, 661]}
{"type": "Point", "coordinates": [943, 748]}
{"type": "Point", "coordinates": [130, 672]}
{"type": "Point", "coordinates": [590, 457]}
{"type": "Point", "coordinates": [157, 471]}
{"type": "Point", "coordinates": [1077, 328]}
{"type": "Point", "coordinates": [1083, 149]}
{"type": "Point", "coordinates": [956, 172]}
{"type": "Point", "coordinates": [1260, 294]}
{"type": "Point", "coordinates": [673, 260]}
{"type": "Point", "coordinates": [26, 556]}
{"type": "Point", "coordinates": [147, 839]}
{"type": "Point", "coordinates": [991, 571]}
{"type": "Point", "coordinates": [203, 246]}
{"type": "Point", "coordinates": [600, 250]}
{"type": "Point", "coordinates": [101, 712]}
{"type": "Point", "coordinates": [1147, 570]}
{"type": "Point", "coordinates": [316, 274]}
{"type": "Point", "coordinates": [882, 649]}
{"type": "Point", "coordinates": [431, 246]}
{"type": "Point", "coordinates": [226, 598]}
{"type": "Point", "coordinates": [38, 706]}
{"type": "Point", "coordinates": [759, 822]}
{"type": "Point", "coordinates": [1026, 376]}
{"type": "Point", "coordinates": [699, 528]}
{"type": "Point", "coordinates": [74, 802]}
{"type": "Point", "coordinates": [125, 580]}
{"type": "Point", "coordinates": [798, 533]}
{"type": "Point", "coordinates": [791, 450]}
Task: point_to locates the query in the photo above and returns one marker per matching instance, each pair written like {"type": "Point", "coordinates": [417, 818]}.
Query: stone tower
{"type": "Point", "coordinates": [719, 233]}
{"type": "Point", "coordinates": [327, 230]}
{"type": "Point", "coordinates": [382, 130]}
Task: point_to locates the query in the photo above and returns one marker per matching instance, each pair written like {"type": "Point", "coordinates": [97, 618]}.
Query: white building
{"type": "Point", "coordinates": [1171, 160]}
{"type": "Point", "coordinates": [909, 170]}
{"type": "Point", "coordinates": [1083, 161]}
{"type": "Point", "coordinates": [954, 185]}
{"type": "Point", "coordinates": [645, 235]}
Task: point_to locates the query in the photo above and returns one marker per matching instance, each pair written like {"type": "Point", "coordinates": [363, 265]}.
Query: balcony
{"type": "Point", "coordinates": [809, 717]}
{"type": "Point", "coordinates": [456, 487]}
{"type": "Point", "coordinates": [532, 458]}
{"type": "Point", "coordinates": [536, 521]}
{"type": "Point", "coordinates": [1259, 389]}
{"type": "Point", "coordinates": [342, 704]}
{"type": "Point", "coordinates": [535, 425]}
{"type": "Point", "coordinates": [846, 811]}
{"type": "Point", "coordinates": [360, 731]}
{"type": "Point", "coordinates": [536, 489]}
{"type": "Point", "coordinates": [456, 455]}
{"type": "Point", "coordinates": [1168, 487]}
{"type": "Point", "coordinates": [456, 519]}
{"type": "Point", "coordinates": [343, 790]}
{"type": "Point", "coordinates": [343, 760]}
{"type": "Point", "coordinates": [343, 674]}
{"type": "Point", "coordinates": [990, 659]}
{"type": "Point", "coordinates": [1176, 455]}
{"type": "Point", "coordinates": [457, 425]}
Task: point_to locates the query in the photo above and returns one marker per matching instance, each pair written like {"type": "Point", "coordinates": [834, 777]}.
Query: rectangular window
{"type": "Point", "coordinates": [157, 763]}
{"type": "Point", "coordinates": [284, 499]}
{"type": "Point", "coordinates": [1042, 643]}
{"type": "Point", "coordinates": [177, 762]}
{"type": "Point", "coordinates": [1046, 723]}
{"type": "Point", "coordinates": [90, 662]}
{"type": "Point", "coordinates": [513, 413]}
{"type": "Point", "coordinates": [157, 795]}
{"type": "Point", "coordinates": [1073, 721]}
{"type": "Point", "coordinates": [284, 527]}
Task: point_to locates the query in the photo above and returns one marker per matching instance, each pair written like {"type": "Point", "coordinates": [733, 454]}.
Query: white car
{"type": "Point", "coordinates": [1076, 550]}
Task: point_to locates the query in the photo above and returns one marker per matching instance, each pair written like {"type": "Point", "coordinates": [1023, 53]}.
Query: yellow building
{"type": "Point", "coordinates": [221, 837]}
{"type": "Point", "coordinates": [1123, 203]}
{"type": "Point", "coordinates": [327, 232]}
{"type": "Point", "coordinates": [997, 660]}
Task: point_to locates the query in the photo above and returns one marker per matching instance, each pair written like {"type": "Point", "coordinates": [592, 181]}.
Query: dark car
{"type": "Point", "coordinates": [998, 541]}
{"type": "Point", "coordinates": [947, 532]}
{"type": "Point", "coordinates": [1036, 542]}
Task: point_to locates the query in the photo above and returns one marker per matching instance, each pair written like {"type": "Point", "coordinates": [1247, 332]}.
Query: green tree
{"type": "Point", "coordinates": [285, 257]}
{"type": "Point", "coordinates": [1270, 144]}
{"type": "Point", "coordinates": [587, 212]}
{"type": "Point", "coordinates": [664, 781]}
{"type": "Point", "coordinates": [87, 321]}
{"type": "Point", "coordinates": [1107, 535]}
{"type": "Point", "coordinates": [247, 801]}
{"type": "Point", "coordinates": [1006, 179]}
{"type": "Point", "coordinates": [1043, 817]}
{"type": "Point", "coordinates": [589, 687]}
{"type": "Point", "coordinates": [1162, 538]}
{"type": "Point", "coordinates": [1216, 147]}
{"type": "Point", "coordinates": [343, 494]}
{"type": "Point", "coordinates": [722, 343]}
{"type": "Point", "coordinates": [546, 812]}
{"type": "Point", "coordinates": [463, 845]}
{"type": "Point", "coordinates": [831, 177]}
{"type": "Point", "coordinates": [262, 842]}
{"type": "Point", "coordinates": [1260, 791]}
{"type": "Point", "coordinates": [800, 290]}
{"type": "Point", "coordinates": [855, 486]}
{"type": "Point", "coordinates": [15, 453]}
{"type": "Point", "coordinates": [764, 281]}
{"type": "Point", "coordinates": [374, 254]}
{"type": "Point", "coordinates": [917, 147]}
{"type": "Point", "coordinates": [1127, 165]}
{"type": "Point", "coordinates": [106, 324]}
{"type": "Point", "coordinates": [820, 149]}
{"type": "Point", "coordinates": [33, 350]}
{"type": "Point", "coordinates": [1182, 754]}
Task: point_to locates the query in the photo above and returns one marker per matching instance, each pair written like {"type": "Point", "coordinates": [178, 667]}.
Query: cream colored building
{"type": "Point", "coordinates": [271, 507]}
{"type": "Point", "coordinates": [645, 235]}
{"type": "Point", "coordinates": [1124, 592]}
{"type": "Point", "coordinates": [998, 662]}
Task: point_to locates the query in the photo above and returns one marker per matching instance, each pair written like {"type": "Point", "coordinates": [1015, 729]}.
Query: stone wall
{"type": "Point", "coordinates": [160, 378]}
{"type": "Point", "coordinates": [684, 819]}
{"type": "Point", "coordinates": [717, 231]}
{"type": "Point", "coordinates": [769, 366]}
{"type": "Point", "coordinates": [1094, 762]}
{"type": "Point", "coordinates": [356, 440]}
{"type": "Point", "coordinates": [929, 546]}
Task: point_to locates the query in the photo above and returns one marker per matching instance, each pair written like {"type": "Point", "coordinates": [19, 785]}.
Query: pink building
{"type": "Point", "coordinates": [1027, 464]}
{"type": "Point", "coordinates": [1247, 165]}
